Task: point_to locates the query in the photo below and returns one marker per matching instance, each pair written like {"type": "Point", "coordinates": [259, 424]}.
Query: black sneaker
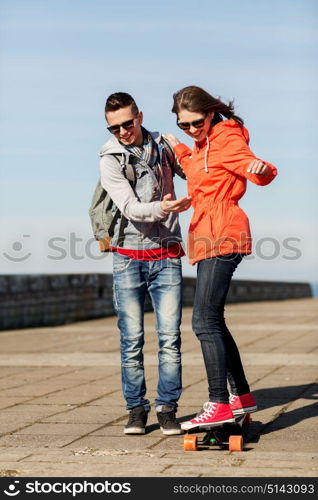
{"type": "Point", "coordinates": [137, 421]}
{"type": "Point", "coordinates": [167, 420]}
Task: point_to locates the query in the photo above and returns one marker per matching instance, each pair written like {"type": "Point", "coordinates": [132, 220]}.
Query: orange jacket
{"type": "Point", "coordinates": [216, 171]}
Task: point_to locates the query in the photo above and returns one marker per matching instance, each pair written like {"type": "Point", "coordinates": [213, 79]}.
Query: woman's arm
{"type": "Point", "coordinates": [236, 156]}
{"type": "Point", "coordinates": [173, 161]}
{"type": "Point", "coordinates": [182, 151]}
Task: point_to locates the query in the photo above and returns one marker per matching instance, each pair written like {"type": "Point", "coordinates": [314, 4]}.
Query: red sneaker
{"type": "Point", "coordinates": [214, 414]}
{"type": "Point", "coordinates": [242, 404]}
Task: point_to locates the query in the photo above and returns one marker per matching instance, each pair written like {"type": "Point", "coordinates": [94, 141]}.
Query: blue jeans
{"type": "Point", "coordinates": [162, 279]}
{"type": "Point", "coordinates": [220, 353]}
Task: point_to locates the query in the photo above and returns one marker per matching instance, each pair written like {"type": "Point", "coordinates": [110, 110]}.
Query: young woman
{"type": "Point", "coordinates": [217, 169]}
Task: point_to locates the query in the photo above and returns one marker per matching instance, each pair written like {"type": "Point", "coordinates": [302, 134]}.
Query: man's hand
{"type": "Point", "coordinates": [179, 205]}
{"type": "Point", "coordinates": [173, 141]}
{"type": "Point", "coordinates": [259, 168]}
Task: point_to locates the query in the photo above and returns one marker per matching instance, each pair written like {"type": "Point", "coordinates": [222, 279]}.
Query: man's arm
{"type": "Point", "coordinates": [122, 194]}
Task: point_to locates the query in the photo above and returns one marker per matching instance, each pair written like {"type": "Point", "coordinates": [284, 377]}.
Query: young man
{"type": "Point", "coordinates": [146, 248]}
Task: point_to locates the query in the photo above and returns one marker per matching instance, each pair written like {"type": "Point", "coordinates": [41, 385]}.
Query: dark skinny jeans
{"type": "Point", "coordinates": [220, 353]}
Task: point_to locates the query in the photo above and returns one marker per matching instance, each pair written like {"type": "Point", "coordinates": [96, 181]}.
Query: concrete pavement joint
{"type": "Point", "coordinates": [53, 415]}
{"type": "Point", "coordinates": [255, 341]}
{"type": "Point", "coordinates": [314, 349]}
{"type": "Point", "coordinates": [301, 336]}
{"type": "Point", "coordinates": [33, 398]}
{"type": "Point", "coordinates": [31, 370]}
{"type": "Point", "coordinates": [267, 374]}
{"type": "Point", "coordinates": [69, 388]}
{"type": "Point", "coordinates": [43, 379]}
{"type": "Point", "coordinates": [24, 458]}
{"type": "Point", "coordinates": [112, 422]}
{"type": "Point", "coordinates": [166, 468]}
{"type": "Point", "coordinates": [151, 447]}
{"type": "Point", "coordinates": [185, 387]}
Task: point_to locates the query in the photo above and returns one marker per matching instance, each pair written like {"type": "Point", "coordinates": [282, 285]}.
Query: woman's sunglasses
{"type": "Point", "coordinates": [114, 129]}
{"type": "Point", "coordinates": [195, 124]}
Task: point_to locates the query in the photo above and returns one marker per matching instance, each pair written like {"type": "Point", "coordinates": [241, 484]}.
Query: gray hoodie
{"type": "Point", "coordinates": [148, 225]}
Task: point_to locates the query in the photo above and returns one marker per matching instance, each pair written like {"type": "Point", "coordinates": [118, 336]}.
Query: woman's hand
{"type": "Point", "coordinates": [173, 141]}
{"type": "Point", "coordinates": [259, 168]}
{"type": "Point", "coordinates": [179, 205]}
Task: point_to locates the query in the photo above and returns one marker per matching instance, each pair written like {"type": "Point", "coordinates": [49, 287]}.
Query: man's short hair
{"type": "Point", "coordinates": [120, 100]}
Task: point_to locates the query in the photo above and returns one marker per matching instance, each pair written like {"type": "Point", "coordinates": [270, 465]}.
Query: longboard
{"type": "Point", "coordinates": [226, 436]}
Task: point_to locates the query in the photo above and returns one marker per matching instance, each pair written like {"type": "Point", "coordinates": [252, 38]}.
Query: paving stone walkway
{"type": "Point", "coordinates": [62, 412]}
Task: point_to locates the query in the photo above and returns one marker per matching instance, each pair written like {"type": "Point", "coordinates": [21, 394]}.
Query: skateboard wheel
{"type": "Point", "coordinates": [190, 442]}
{"type": "Point", "coordinates": [236, 443]}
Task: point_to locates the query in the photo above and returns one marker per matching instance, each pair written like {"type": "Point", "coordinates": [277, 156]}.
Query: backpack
{"type": "Point", "coordinates": [103, 218]}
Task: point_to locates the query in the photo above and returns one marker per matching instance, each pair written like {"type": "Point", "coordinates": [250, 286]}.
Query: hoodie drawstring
{"type": "Point", "coordinates": [206, 155]}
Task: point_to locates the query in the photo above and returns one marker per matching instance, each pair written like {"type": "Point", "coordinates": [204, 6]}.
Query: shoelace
{"type": "Point", "coordinates": [205, 406]}
{"type": "Point", "coordinates": [209, 410]}
{"type": "Point", "coordinates": [133, 417]}
{"type": "Point", "coordinates": [233, 398]}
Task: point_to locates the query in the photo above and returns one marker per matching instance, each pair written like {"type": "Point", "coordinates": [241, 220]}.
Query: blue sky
{"type": "Point", "coordinates": [60, 60]}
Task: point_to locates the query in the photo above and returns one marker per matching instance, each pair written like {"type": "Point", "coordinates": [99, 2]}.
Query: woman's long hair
{"type": "Point", "coordinates": [197, 100]}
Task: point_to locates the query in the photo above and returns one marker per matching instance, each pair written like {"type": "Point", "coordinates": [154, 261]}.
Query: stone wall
{"type": "Point", "coordinates": [51, 299]}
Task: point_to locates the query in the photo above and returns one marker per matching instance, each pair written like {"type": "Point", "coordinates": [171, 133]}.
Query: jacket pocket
{"type": "Point", "coordinates": [221, 220]}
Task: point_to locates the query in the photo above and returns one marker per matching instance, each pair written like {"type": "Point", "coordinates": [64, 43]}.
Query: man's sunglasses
{"type": "Point", "coordinates": [195, 124]}
{"type": "Point", "coordinates": [114, 129]}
